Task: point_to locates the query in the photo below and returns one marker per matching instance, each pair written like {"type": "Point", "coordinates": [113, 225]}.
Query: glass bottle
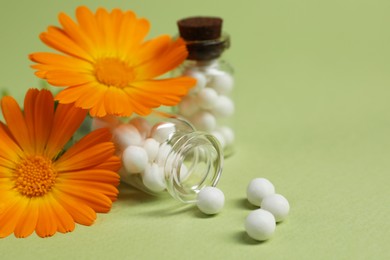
{"type": "Point", "coordinates": [163, 152]}
{"type": "Point", "coordinates": [209, 105]}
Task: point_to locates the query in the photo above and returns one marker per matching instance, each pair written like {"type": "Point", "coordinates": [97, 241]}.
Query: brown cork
{"type": "Point", "coordinates": [200, 28]}
{"type": "Point", "coordinates": [203, 36]}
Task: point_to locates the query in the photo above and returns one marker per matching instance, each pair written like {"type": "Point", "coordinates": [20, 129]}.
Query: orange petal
{"type": "Point", "coordinates": [68, 78]}
{"type": "Point", "coordinates": [106, 28]}
{"type": "Point", "coordinates": [11, 213]}
{"type": "Point", "coordinates": [46, 222]}
{"type": "Point", "coordinates": [58, 40]}
{"type": "Point", "coordinates": [165, 92]}
{"type": "Point", "coordinates": [6, 169]}
{"type": "Point", "coordinates": [95, 200]}
{"type": "Point", "coordinates": [6, 186]}
{"type": "Point", "coordinates": [76, 34]}
{"type": "Point", "coordinates": [38, 111]}
{"type": "Point", "coordinates": [16, 123]}
{"type": "Point", "coordinates": [29, 111]}
{"type": "Point", "coordinates": [43, 119]}
{"type": "Point", "coordinates": [98, 136]}
{"type": "Point", "coordinates": [113, 164]}
{"type": "Point", "coordinates": [9, 150]}
{"type": "Point", "coordinates": [166, 57]}
{"type": "Point", "coordinates": [80, 212]}
{"type": "Point", "coordinates": [61, 62]}
{"type": "Point", "coordinates": [88, 25]}
{"type": "Point", "coordinates": [132, 32]}
{"type": "Point", "coordinates": [151, 49]}
{"type": "Point", "coordinates": [116, 17]}
{"type": "Point", "coordinates": [72, 94]}
{"type": "Point", "coordinates": [5, 166]}
{"type": "Point", "coordinates": [64, 220]}
{"type": "Point", "coordinates": [92, 95]}
{"type": "Point", "coordinates": [98, 110]}
{"type": "Point", "coordinates": [99, 175]}
{"type": "Point", "coordinates": [116, 102]}
{"type": "Point", "coordinates": [88, 158]}
{"type": "Point", "coordinates": [97, 186]}
{"type": "Point", "coordinates": [28, 220]}
{"type": "Point", "coordinates": [67, 119]}
{"type": "Point", "coordinates": [140, 106]}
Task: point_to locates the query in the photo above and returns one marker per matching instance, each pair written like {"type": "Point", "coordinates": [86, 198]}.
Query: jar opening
{"type": "Point", "coordinates": [194, 162]}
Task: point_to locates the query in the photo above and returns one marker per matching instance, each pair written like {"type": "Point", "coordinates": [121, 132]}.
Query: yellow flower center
{"type": "Point", "coordinates": [114, 72]}
{"type": "Point", "coordinates": [35, 176]}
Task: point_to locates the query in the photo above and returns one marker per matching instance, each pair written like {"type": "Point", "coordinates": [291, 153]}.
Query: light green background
{"type": "Point", "coordinates": [313, 116]}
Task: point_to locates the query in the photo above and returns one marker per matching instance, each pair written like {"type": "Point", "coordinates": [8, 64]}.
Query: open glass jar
{"type": "Point", "coordinates": [163, 152]}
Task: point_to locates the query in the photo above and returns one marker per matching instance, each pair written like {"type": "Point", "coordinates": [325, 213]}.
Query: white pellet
{"type": "Point", "coordinates": [153, 178]}
{"type": "Point", "coordinates": [260, 225]}
{"type": "Point", "coordinates": [258, 189]}
{"type": "Point", "coordinates": [142, 126]}
{"type": "Point", "coordinates": [188, 106]}
{"type": "Point", "coordinates": [134, 159]}
{"type": "Point", "coordinates": [207, 98]}
{"type": "Point", "coordinates": [221, 81]}
{"type": "Point", "coordinates": [200, 80]}
{"type": "Point", "coordinates": [277, 205]}
{"type": "Point", "coordinates": [223, 107]}
{"type": "Point", "coordinates": [227, 133]}
{"type": "Point", "coordinates": [210, 200]}
{"type": "Point", "coordinates": [151, 147]}
{"type": "Point", "coordinates": [125, 135]}
{"type": "Point", "coordinates": [204, 121]}
{"type": "Point", "coordinates": [162, 131]}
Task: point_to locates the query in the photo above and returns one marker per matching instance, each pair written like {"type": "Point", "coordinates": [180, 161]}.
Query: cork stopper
{"type": "Point", "coordinates": [200, 28]}
{"type": "Point", "coordinates": [203, 36]}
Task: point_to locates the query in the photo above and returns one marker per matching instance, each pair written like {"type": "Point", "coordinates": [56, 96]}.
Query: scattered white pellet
{"type": "Point", "coordinates": [125, 135]}
{"type": "Point", "coordinates": [221, 81]}
{"type": "Point", "coordinates": [134, 159]}
{"type": "Point", "coordinates": [260, 225]}
{"type": "Point", "coordinates": [223, 107]}
{"type": "Point", "coordinates": [200, 80]}
{"type": "Point", "coordinates": [162, 131]}
{"type": "Point", "coordinates": [277, 205]}
{"type": "Point", "coordinates": [227, 133]}
{"type": "Point", "coordinates": [153, 178]}
{"type": "Point", "coordinates": [204, 121]}
{"type": "Point", "coordinates": [210, 200]}
{"type": "Point", "coordinates": [142, 126]}
{"type": "Point", "coordinates": [151, 147]}
{"type": "Point", "coordinates": [207, 98]}
{"type": "Point", "coordinates": [188, 106]}
{"type": "Point", "coordinates": [258, 189]}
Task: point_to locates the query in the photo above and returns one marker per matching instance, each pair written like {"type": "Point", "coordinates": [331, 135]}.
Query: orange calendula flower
{"type": "Point", "coordinates": [107, 65]}
{"type": "Point", "coordinates": [43, 188]}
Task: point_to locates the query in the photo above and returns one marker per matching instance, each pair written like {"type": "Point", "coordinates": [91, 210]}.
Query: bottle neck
{"type": "Point", "coordinates": [205, 50]}
{"type": "Point", "coordinates": [195, 161]}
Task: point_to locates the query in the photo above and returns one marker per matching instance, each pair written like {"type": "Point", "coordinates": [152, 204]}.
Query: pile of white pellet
{"type": "Point", "coordinates": [209, 106]}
